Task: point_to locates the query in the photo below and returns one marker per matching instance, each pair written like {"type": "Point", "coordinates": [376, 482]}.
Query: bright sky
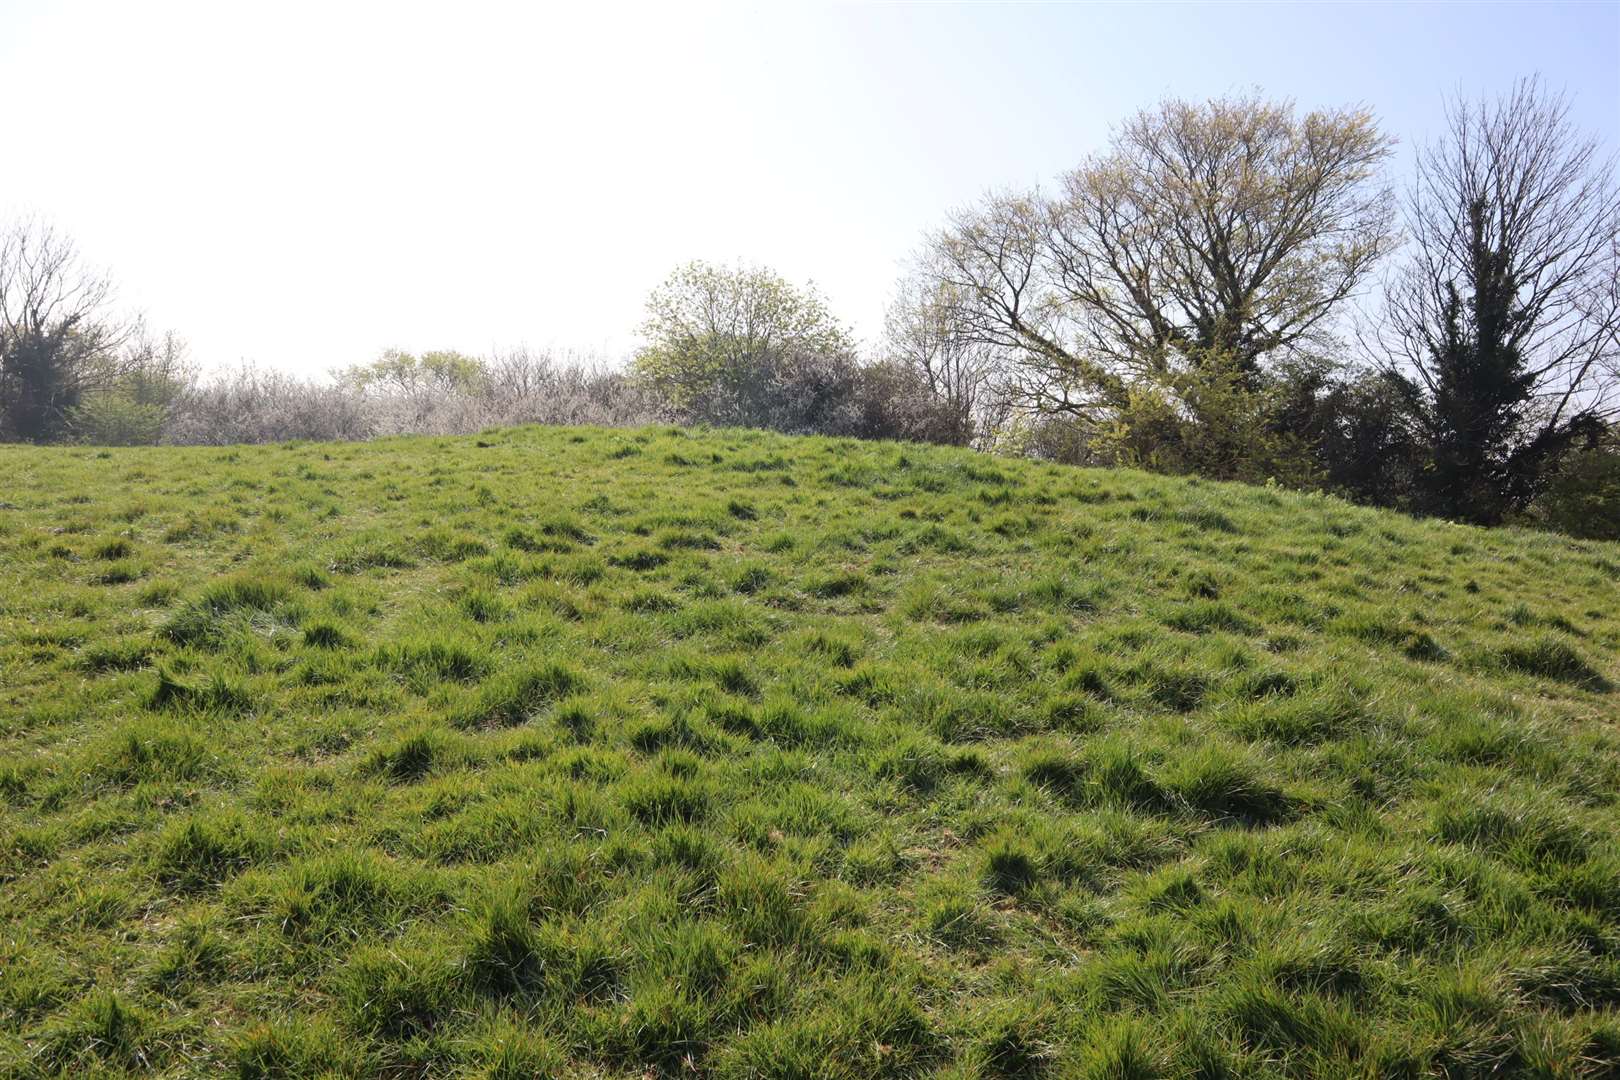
{"type": "Point", "coordinates": [304, 185]}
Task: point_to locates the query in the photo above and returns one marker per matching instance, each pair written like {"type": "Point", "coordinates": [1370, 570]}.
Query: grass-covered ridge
{"type": "Point", "coordinates": [617, 754]}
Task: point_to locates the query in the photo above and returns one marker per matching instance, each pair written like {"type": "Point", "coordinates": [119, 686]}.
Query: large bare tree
{"type": "Point", "coordinates": [1233, 229]}
{"type": "Point", "coordinates": [1503, 326]}
{"type": "Point", "coordinates": [55, 337]}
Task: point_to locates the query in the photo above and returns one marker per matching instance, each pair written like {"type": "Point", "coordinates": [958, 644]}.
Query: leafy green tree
{"type": "Point", "coordinates": [439, 371]}
{"type": "Point", "coordinates": [723, 344]}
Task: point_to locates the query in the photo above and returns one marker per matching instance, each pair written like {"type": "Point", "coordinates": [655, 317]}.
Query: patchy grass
{"type": "Point", "coordinates": [655, 754]}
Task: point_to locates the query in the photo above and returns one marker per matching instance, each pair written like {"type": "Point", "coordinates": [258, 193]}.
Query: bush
{"type": "Point", "coordinates": [1584, 497]}
{"type": "Point", "coordinates": [437, 394]}
{"type": "Point", "coordinates": [116, 419]}
{"type": "Point", "coordinates": [253, 406]}
{"type": "Point", "coordinates": [1364, 442]}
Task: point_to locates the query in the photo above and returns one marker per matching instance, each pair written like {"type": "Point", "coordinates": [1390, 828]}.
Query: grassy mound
{"type": "Point", "coordinates": [649, 753]}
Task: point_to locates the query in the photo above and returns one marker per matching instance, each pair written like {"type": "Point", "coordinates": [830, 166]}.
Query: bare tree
{"type": "Point", "coordinates": [55, 337]}
{"type": "Point", "coordinates": [1233, 229]}
{"type": "Point", "coordinates": [1503, 327]}
{"type": "Point", "coordinates": [956, 368]}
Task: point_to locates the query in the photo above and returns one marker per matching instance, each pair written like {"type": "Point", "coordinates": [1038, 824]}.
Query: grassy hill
{"type": "Point", "coordinates": [646, 753]}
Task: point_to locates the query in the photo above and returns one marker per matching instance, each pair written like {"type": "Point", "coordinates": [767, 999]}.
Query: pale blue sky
{"type": "Point", "coordinates": [303, 185]}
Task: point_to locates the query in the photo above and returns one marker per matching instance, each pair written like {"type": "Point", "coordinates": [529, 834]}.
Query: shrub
{"type": "Point", "coordinates": [1584, 497]}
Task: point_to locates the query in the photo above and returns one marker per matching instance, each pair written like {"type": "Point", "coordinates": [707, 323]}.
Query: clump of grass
{"type": "Point", "coordinates": [1013, 1043]}
{"type": "Point", "coordinates": [1011, 865]}
{"type": "Point", "coordinates": [954, 917]}
{"type": "Point", "coordinates": [1271, 1021]}
{"type": "Point", "coordinates": [516, 696]}
{"type": "Point", "coordinates": [157, 594]}
{"type": "Point", "coordinates": [1515, 830]}
{"type": "Point", "coordinates": [16, 778]}
{"type": "Point", "coordinates": [659, 800]}
{"type": "Point", "coordinates": [520, 538]}
{"type": "Point", "coordinates": [506, 952]}
{"type": "Point", "coordinates": [118, 654]}
{"type": "Point", "coordinates": [370, 553]}
{"type": "Point", "coordinates": [195, 954]}
{"type": "Point", "coordinates": [733, 676]}
{"type": "Point", "coordinates": [337, 897]}
{"type": "Point", "coordinates": [215, 694]}
{"type": "Point", "coordinates": [294, 1047]}
{"type": "Point", "coordinates": [837, 584]}
{"type": "Point", "coordinates": [651, 601]}
{"type": "Point", "coordinates": [1224, 784]}
{"type": "Point", "coordinates": [1298, 720]}
{"type": "Point", "coordinates": [114, 549]}
{"type": "Point", "coordinates": [483, 606]}
{"type": "Point", "coordinates": [515, 1052]}
{"type": "Point", "coordinates": [310, 577]}
{"type": "Point", "coordinates": [639, 559]}
{"type": "Point", "coordinates": [120, 573]}
{"type": "Point", "coordinates": [424, 662]}
{"type": "Point", "coordinates": [1058, 771]}
{"type": "Point", "coordinates": [206, 849]}
{"type": "Point", "coordinates": [915, 762]}
{"type": "Point", "coordinates": [1117, 776]}
{"type": "Point", "coordinates": [102, 1030]}
{"type": "Point", "coordinates": [1551, 657]}
{"type": "Point", "coordinates": [413, 756]}
{"type": "Point", "coordinates": [149, 751]}
{"type": "Point", "coordinates": [1207, 616]}
{"type": "Point", "coordinates": [762, 902]}
{"type": "Point", "coordinates": [327, 635]}
{"type": "Point", "coordinates": [751, 578]}
{"type": "Point", "coordinates": [208, 619]}
{"type": "Point", "coordinates": [1379, 630]}
{"type": "Point", "coordinates": [401, 991]}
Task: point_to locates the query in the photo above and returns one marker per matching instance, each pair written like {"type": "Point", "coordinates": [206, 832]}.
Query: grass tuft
{"type": "Point", "coordinates": [1550, 657]}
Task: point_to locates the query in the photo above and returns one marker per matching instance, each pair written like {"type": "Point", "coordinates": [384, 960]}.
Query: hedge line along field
{"type": "Point", "coordinates": [659, 754]}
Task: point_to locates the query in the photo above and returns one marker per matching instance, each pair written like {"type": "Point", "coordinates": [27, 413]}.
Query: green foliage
{"type": "Point", "coordinates": [1583, 498]}
{"type": "Point", "coordinates": [397, 371]}
{"type": "Point", "coordinates": [111, 418]}
{"type": "Point", "coordinates": [1214, 417]}
{"type": "Point", "coordinates": [965, 767]}
{"type": "Point", "coordinates": [722, 343]}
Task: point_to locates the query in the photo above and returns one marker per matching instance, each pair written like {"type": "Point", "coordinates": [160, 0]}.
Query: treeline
{"type": "Point", "coordinates": [1230, 288]}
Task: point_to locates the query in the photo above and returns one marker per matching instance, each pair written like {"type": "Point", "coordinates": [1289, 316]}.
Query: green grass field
{"type": "Point", "coordinates": [656, 754]}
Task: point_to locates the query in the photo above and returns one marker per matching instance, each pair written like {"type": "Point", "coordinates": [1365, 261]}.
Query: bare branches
{"type": "Point", "coordinates": [1233, 227]}
{"type": "Point", "coordinates": [43, 284]}
{"type": "Point", "coordinates": [55, 337]}
{"type": "Point", "coordinates": [1230, 227]}
{"type": "Point", "coordinates": [956, 368]}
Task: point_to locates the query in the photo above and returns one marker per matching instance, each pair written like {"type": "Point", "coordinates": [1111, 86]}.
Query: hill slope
{"type": "Point", "coordinates": [646, 753]}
